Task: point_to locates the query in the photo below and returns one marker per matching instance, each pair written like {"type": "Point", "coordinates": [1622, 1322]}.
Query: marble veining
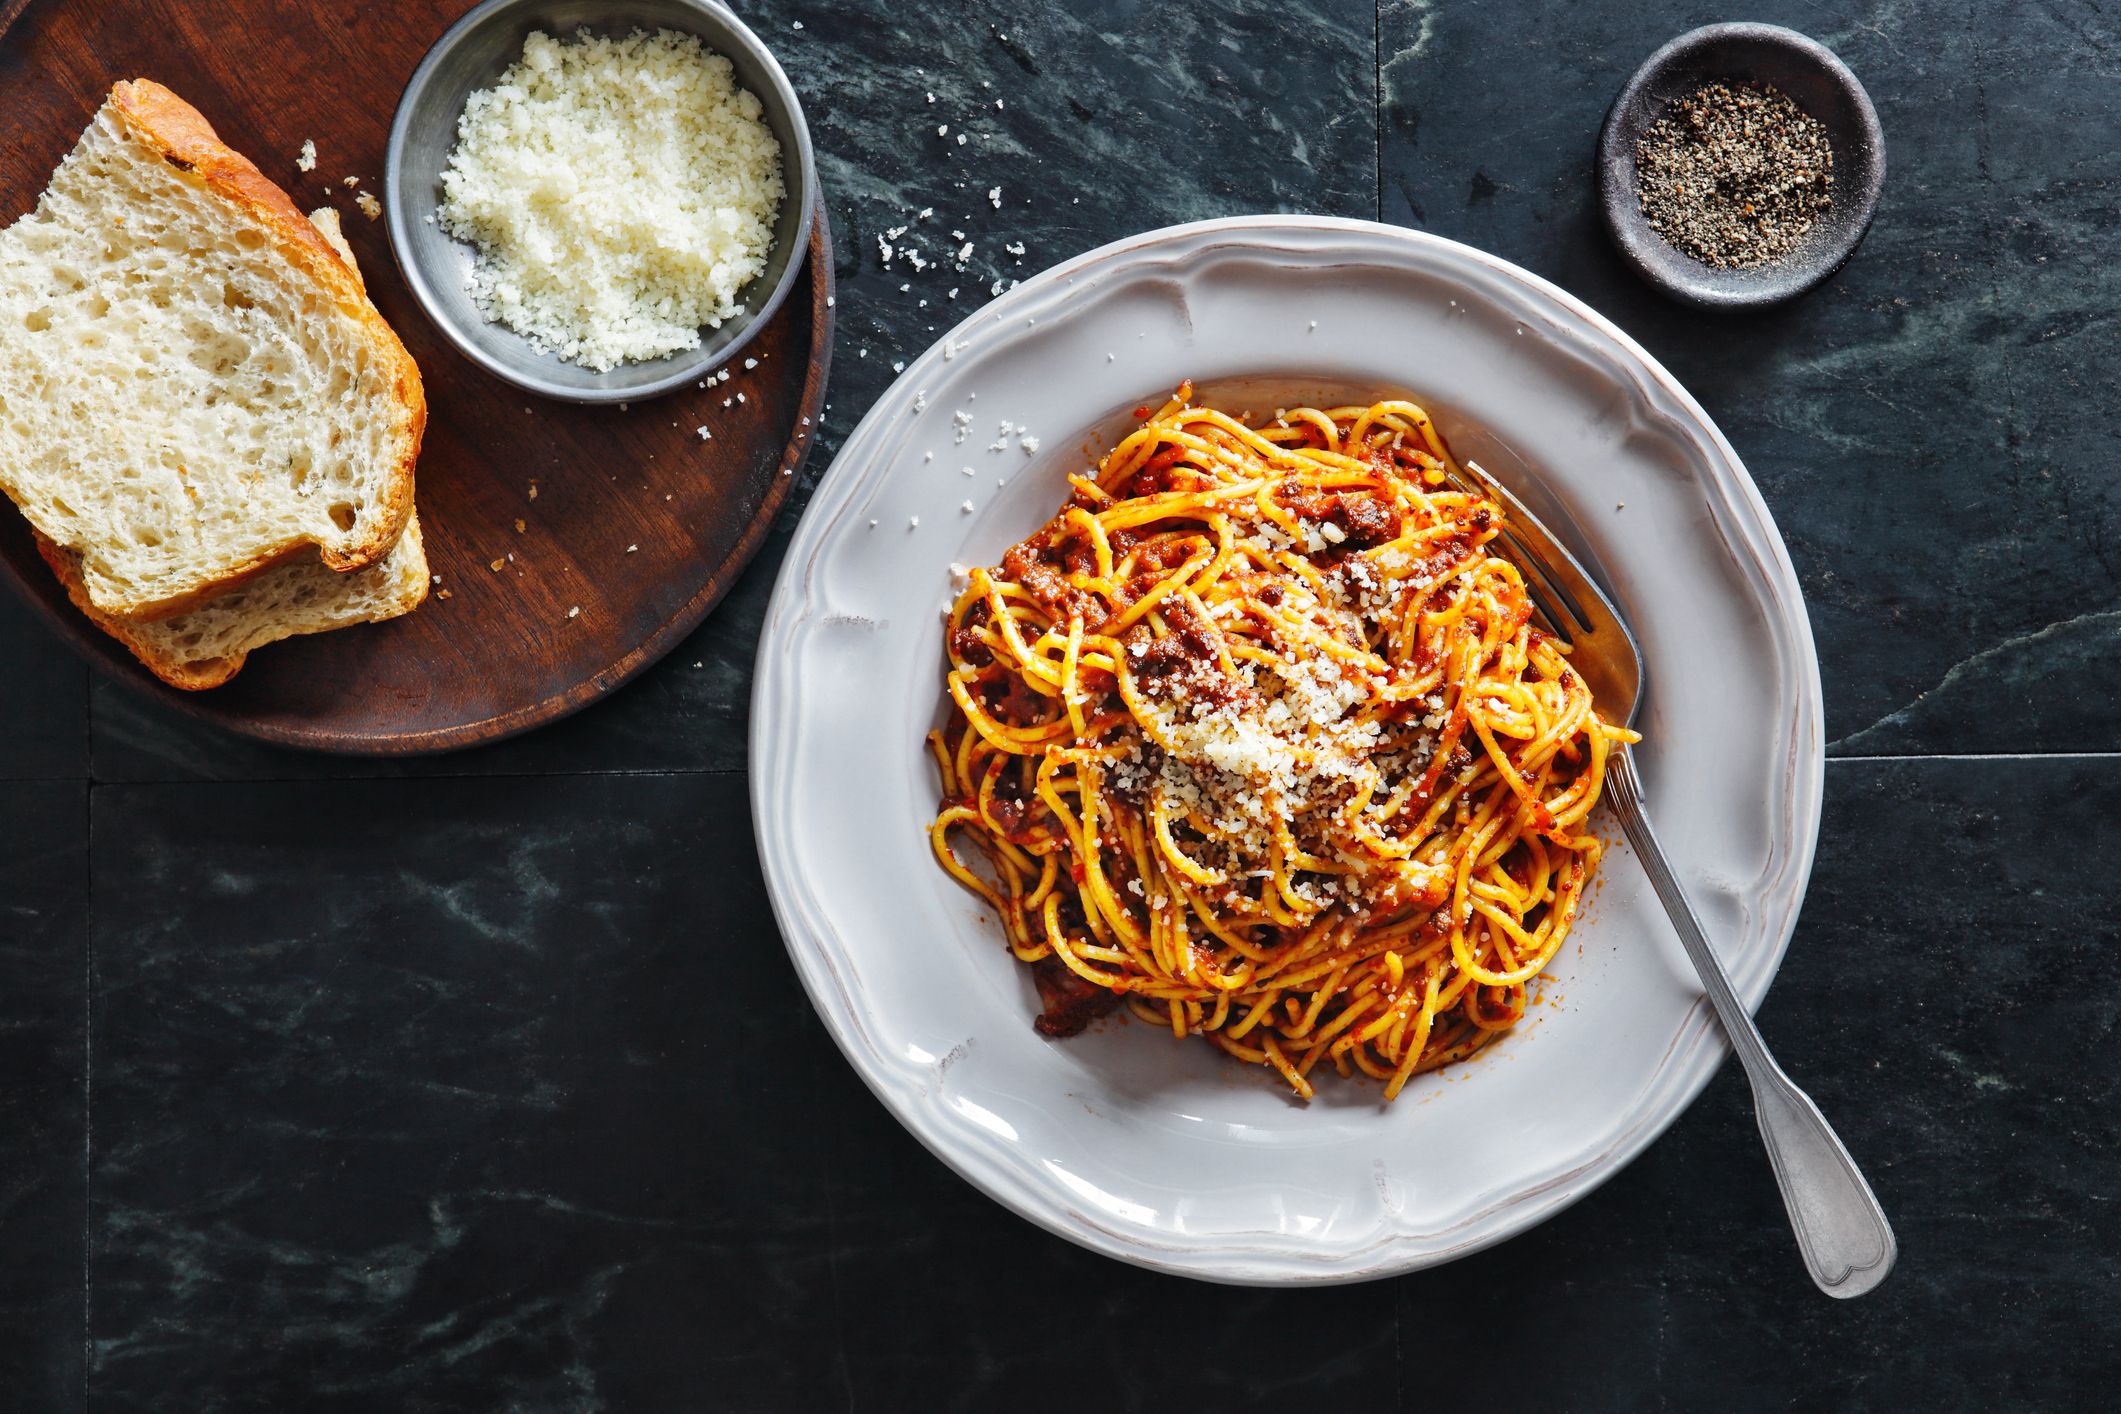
{"type": "Point", "coordinates": [1922, 425]}
{"type": "Point", "coordinates": [484, 1083]}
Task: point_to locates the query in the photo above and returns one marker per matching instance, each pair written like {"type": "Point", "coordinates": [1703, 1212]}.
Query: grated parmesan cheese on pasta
{"type": "Point", "coordinates": [620, 193]}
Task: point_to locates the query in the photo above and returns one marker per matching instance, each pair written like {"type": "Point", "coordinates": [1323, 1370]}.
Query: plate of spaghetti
{"type": "Point", "coordinates": [1173, 805]}
{"type": "Point", "coordinates": [1256, 738]}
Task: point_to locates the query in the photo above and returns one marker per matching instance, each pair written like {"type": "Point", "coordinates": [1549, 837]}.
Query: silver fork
{"type": "Point", "coordinates": [1847, 1243]}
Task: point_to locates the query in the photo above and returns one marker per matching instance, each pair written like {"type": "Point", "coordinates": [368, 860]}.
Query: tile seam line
{"type": "Point", "coordinates": [689, 771]}
{"type": "Point", "coordinates": [1985, 756]}
{"type": "Point", "coordinates": [631, 773]}
{"type": "Point", "coordinates": [1377, 107]}
{"type": "Point", "coordinates": [88, 1066]}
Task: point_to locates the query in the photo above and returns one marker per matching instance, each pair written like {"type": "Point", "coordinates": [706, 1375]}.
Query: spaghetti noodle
{"type": "Point", "coordinates": [1258, 738]}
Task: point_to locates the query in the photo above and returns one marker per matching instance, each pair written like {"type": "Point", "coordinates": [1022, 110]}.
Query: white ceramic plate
{"type": "Point", "coordinates": [1169, 1154]}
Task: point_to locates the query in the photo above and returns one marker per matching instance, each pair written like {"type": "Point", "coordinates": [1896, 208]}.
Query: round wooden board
{"type": "Point", "coordinates": [616, 531]}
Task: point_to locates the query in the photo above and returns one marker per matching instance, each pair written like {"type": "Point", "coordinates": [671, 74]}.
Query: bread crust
{"type": "Point", "coordinates": [172, 127]}
{"type": "Point", "coordinates": [192, 677]}
{"type": "Point", "coordinates": [195, 675]}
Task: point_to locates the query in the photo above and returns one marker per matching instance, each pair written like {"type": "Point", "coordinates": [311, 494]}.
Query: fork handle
{"type": "Point", "coordinates": [1847, 1243]}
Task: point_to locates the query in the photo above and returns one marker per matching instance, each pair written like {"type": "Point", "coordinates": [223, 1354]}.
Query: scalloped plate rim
{"type": "Point", "coordinates": [1740, 517]}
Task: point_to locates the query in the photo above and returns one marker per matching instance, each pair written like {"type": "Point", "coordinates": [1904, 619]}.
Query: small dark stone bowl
{"type": "Point", "coordinates": [1817, 82]}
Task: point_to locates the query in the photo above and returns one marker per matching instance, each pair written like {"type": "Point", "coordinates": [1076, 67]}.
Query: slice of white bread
{"type": "Point", "coordinates": [207, 646]}
{"type": "Point", "coordinates": [193, 386]}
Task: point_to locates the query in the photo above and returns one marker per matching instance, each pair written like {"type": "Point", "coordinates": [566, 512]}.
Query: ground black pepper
{"type": "Point", "coordinates": [1734, 174]}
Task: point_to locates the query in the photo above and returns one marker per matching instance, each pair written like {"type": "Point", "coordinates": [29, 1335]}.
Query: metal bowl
{"type": "Point", "coordinates": [472, 55]}
{"type": "Point", "coordinates": [1817, 82]}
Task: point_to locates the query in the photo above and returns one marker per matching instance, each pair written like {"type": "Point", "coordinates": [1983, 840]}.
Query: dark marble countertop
{"type": "Point", "coordinates": [336, 1086]}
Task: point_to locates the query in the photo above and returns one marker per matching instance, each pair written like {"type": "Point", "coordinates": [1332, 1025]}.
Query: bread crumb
{"type": "Point", "coordinates": [631, 548]}
{"type": "Point", "coordinates": [519, 525]}
{"type": "Point", "coordinates": [370, 207]}
{"type": "Point", "coordinates": [533, 490]}
{"type": "Point", "coordinates": [307, 162]}
{"type": "Point", "coordinates": [496, 566]}
{"type": "Point", "coordinates": [351, 182]}
{"type": "Point", "coordinates": [443, 594]}
{"type": "Point", "coordinates": [575, 612]}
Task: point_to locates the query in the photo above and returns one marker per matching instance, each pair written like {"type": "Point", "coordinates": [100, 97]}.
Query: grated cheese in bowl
{"type": "Point", "coordinates": [619, 193]}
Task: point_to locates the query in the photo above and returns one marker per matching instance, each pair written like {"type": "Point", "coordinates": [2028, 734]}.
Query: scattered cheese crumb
{"type": "Point", "coordinates": [575, 612]}
{"type": "Point", "coordinates": [307, 162]}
